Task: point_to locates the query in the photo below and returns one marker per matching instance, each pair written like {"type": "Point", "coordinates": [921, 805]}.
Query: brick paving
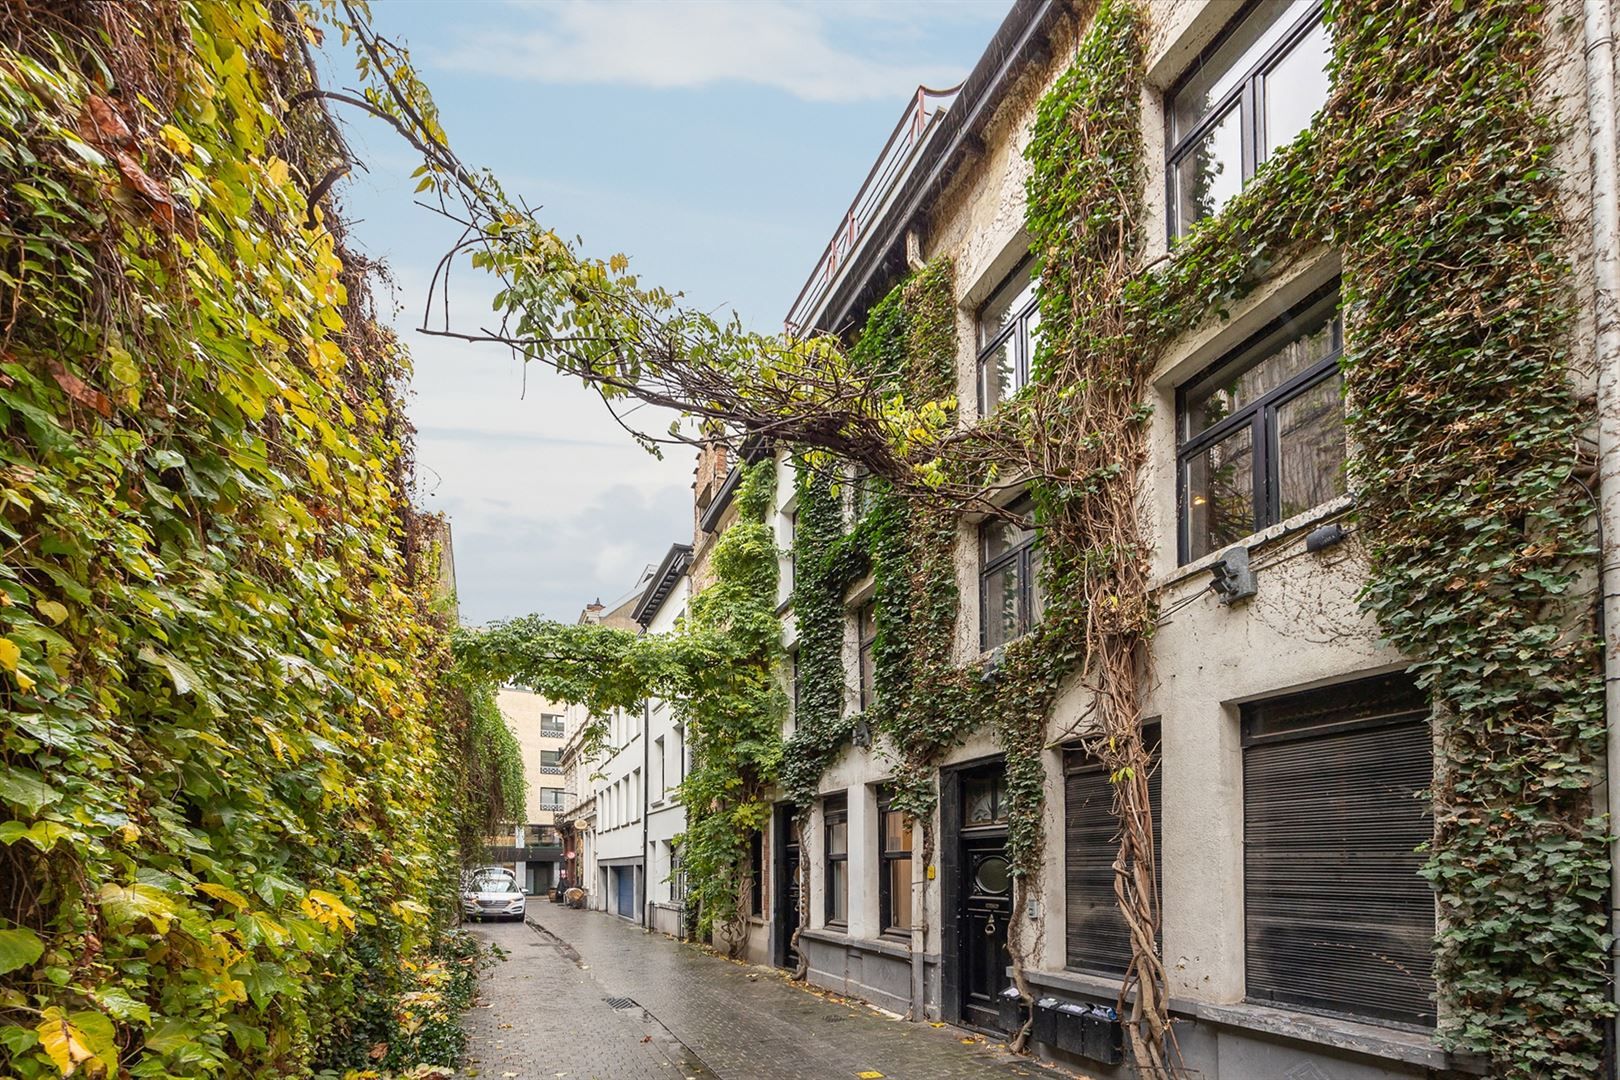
{"type": "Point", "coordinates": [544, 1013]}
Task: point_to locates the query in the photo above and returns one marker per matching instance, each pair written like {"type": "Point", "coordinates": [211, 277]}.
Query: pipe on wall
{"type": "Point", "coordinates": [1605, 213]}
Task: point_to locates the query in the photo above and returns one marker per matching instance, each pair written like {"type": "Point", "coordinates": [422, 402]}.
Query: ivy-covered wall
{"type": "Point", "coordinates": [232, 774]}
{"type": "Point", "coordinates": [1431, 175]}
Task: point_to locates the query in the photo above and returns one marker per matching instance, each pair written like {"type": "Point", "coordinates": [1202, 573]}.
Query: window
{"type": "Point", "coordinates": [1262, 434]}
{"type": "Point", "coordinates": [551, 724]}
{"type": "Point", "coordinates": [551, 761]}
{"type": "Point", "coordinates": [544, 835]}
{"type": "Point", "coordinates": [659, 784]}
{"type": "Point", "coordinates": [1010, 599]}
{"type": "Point", "coordinates": [1336, 916]}
{"type": "Point", "coordinates": [894, 866]}
{"type": "Point", "coordinates": [984, 800]}
{"type": "Point", "coordinates": [789, 543]}
{"type": "Point", "coordinates": [866, 636]}
{"type": "Point", "coordinates": [836, 824]}
{"type": "Point", "coordinates": [635, 795]}
{"type": "Point", "coordinates": [756, 874]}
{"type": "Point", "coordinates": [1096, 938]}
{"type": "Point", "coordinates": [551, 798]}
{"type": "Point", "coordinates": [1257, 88]}
{"type": "Point", "coordinates": [860, 492]}
{"type": "Point", "coordinates": [1008, 325]}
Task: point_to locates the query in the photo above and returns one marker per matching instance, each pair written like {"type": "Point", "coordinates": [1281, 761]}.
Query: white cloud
{"type": "Point", "coordinates": [788, 45]}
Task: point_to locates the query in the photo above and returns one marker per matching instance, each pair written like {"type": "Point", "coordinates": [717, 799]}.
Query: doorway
{"type": "Point", "coordinates": [978, 882]}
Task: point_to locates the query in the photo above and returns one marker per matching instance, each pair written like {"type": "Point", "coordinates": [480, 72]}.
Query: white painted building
{"type": "Point", "coordinates": [663, 606]}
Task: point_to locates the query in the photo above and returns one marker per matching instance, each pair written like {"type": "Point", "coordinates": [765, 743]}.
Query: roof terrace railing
{"type": "Point", "coordinates": [893, 162]}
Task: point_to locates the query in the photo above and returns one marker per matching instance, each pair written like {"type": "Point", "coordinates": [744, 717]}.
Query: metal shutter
{"type": "Point", "coordinates": [1095, 938]}
{"type": "Point", "coordinates": [1337, 918]}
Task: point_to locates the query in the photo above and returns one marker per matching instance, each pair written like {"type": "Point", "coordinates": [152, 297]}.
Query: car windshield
{"type": "Point", "coordinates": [498, 883]}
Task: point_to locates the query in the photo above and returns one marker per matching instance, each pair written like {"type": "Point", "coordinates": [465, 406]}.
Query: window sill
{"type": "Point", "coordinates": [1410, 1047]}
{"type": "Point", "coordinates": [839, 935]}
{"type": "Point", "coordinates": [1266, 537]}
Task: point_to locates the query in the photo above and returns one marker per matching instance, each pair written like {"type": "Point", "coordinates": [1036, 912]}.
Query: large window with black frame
{"type": "Point", "coordinates": [1257, 87]}
{"type": "Point", "coordinates": [1096, 939]}
{"type": "Point", "coordinates": [894, 867]}
{"type": "Point", "coordinates": [866, 648]}
{"type": "Point", "coordinates": [1008, 326]}
{"type": "Point", "coordinates": [1262, 432]}
{"type": "Point", "coordinates": [1337, 918]}
{"type": "Point", "coordinates": [835, 830]}
{"type": "Point", "coordinates": [1010, 599]}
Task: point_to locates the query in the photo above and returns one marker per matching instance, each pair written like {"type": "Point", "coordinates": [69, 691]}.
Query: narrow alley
{"type": "Point", "coordinates": [585, 996]}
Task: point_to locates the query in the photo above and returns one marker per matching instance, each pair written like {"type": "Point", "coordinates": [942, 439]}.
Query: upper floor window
{"type": "Point", "coordinates": [1257, 88]}
{"type": "Point", "coordinates": [551, 724]}
{"type": "Point", "coordinates": [1010, 599]}
{"type": "Point", "coordinates": [866, 636]}
{"type": "Point", "coordinates": [1262, 434]}
{"type": "Point", "coordinates": [551, 761]}
{"type": "Point", "coordinates": [1008, 325]}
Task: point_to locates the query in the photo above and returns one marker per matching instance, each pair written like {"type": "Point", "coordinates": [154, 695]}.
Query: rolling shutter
{"type": "Point", "coordinates": [1095, 937]}
{"type": "Point", "coordinates": [1337, 918]}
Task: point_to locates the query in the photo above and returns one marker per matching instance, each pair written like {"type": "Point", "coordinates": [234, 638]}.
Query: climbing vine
{"type": "Point", "coordinates": [230, 784]}
{"type": "Point", "coordinates": [733, 707]}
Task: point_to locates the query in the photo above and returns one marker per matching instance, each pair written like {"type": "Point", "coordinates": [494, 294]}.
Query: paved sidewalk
{"type": "Point", "coordinates": [587, 996]}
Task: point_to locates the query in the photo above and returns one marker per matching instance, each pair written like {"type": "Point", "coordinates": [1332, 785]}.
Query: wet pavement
{"type": "Point", "coordinates": [583, 995]}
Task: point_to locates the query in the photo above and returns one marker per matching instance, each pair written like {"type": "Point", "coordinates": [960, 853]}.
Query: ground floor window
{"type": "Point", "coordinates": [836, 815]}
{"type": "Point", "coordinates": [1095, 935]}
{"type": "Point", "coordinates": [756, 873]}
{"type": "Point", "coordinates": [1336, 917]}
{"type": "Point", "coordinates": [894, 859]}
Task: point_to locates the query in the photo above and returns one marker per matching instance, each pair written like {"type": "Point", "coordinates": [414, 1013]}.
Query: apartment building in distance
{"type": "Point", "coordinates": [532, 848]}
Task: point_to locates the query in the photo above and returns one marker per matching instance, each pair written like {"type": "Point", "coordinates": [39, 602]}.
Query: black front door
{"type": "Point", "coordinates": [787, 888]}
{"type": "Point", "coordinates": [986, 910]}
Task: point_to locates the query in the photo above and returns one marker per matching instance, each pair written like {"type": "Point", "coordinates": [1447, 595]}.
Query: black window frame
{"type": "Point", "coordinates": [756, 873]}
{"type": "Point", "coordinates": [1248, 93]}
{"type": "Point", "coordinates": [1025, 554]}
{"type": "Point", "coordinates": [1017, 331]}
{"type": "Point", "coordinates": [886, 924]}
{"type": "Point", "coordinates": [1259, 415]}
{"type": "Point", "coordinates": [866, 653]}
{"type": "Point", "coordinates": [834, 811]}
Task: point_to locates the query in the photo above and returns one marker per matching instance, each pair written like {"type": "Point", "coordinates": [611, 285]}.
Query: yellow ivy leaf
{"type": "Point", "coordinates": [327, 909]}
{"type": "Point", "coordinates": [220, 892]}
{"type": "Point", "coordinates": [9, 654]}
{"type": "Point", "coordinates": [129, 903]}
{"type": "Point", "coordinates": [176, 140]}
{"type": "Point", "coordinates": [78, 1040]}
{"type": "Point", "coordinates": [53, 611]}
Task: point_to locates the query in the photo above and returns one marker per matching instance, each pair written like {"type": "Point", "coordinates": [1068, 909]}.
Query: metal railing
{"type": "Point", "coordinates": [892, 165]}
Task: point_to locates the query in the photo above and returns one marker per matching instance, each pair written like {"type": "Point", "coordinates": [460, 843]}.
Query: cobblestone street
{"type": "Point", "coordinates": [586, 996]}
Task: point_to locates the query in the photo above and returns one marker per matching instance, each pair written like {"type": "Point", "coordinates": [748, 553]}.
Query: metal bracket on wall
{"type": "Point", "coordinates": [1233, 578]}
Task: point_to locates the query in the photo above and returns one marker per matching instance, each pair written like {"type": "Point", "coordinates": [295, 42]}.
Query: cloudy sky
{"type": "Point", "coordinates": [715, 142]}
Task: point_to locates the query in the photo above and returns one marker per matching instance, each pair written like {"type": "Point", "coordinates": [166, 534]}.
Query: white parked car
{"type": "Point", "coordinates": [492, 892]}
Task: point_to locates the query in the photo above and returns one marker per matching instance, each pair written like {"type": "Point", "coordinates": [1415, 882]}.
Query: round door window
{"type": "Point", "coordinates": [992, 875]}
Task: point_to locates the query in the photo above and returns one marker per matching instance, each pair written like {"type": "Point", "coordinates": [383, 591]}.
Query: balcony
{"type": "Point", "coordinates": [528, 853]}
{"type": "Point", "coordinates": [876, 193]}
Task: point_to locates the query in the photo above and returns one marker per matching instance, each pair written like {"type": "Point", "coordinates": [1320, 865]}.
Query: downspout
{"type": "Point", "coordinates": [1605, 210]}
{"type": "Point", "coordinates": [646, 782]}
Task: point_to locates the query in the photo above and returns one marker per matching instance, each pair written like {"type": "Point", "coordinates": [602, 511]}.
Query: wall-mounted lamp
{"type": "Point", "coordinates": [1324, 536]}
{"type": "Point", "coordinates": [1233, 580]}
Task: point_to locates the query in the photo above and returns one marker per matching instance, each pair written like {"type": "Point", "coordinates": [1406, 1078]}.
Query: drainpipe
{"type": "Point", "coordinates": [1605, 210]}
{"type": "Point", "coordinates": [646, 782]}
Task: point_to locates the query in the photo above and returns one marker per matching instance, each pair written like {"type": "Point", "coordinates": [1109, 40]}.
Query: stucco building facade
{"type": "Point", "coordinates": [1291, 745]}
